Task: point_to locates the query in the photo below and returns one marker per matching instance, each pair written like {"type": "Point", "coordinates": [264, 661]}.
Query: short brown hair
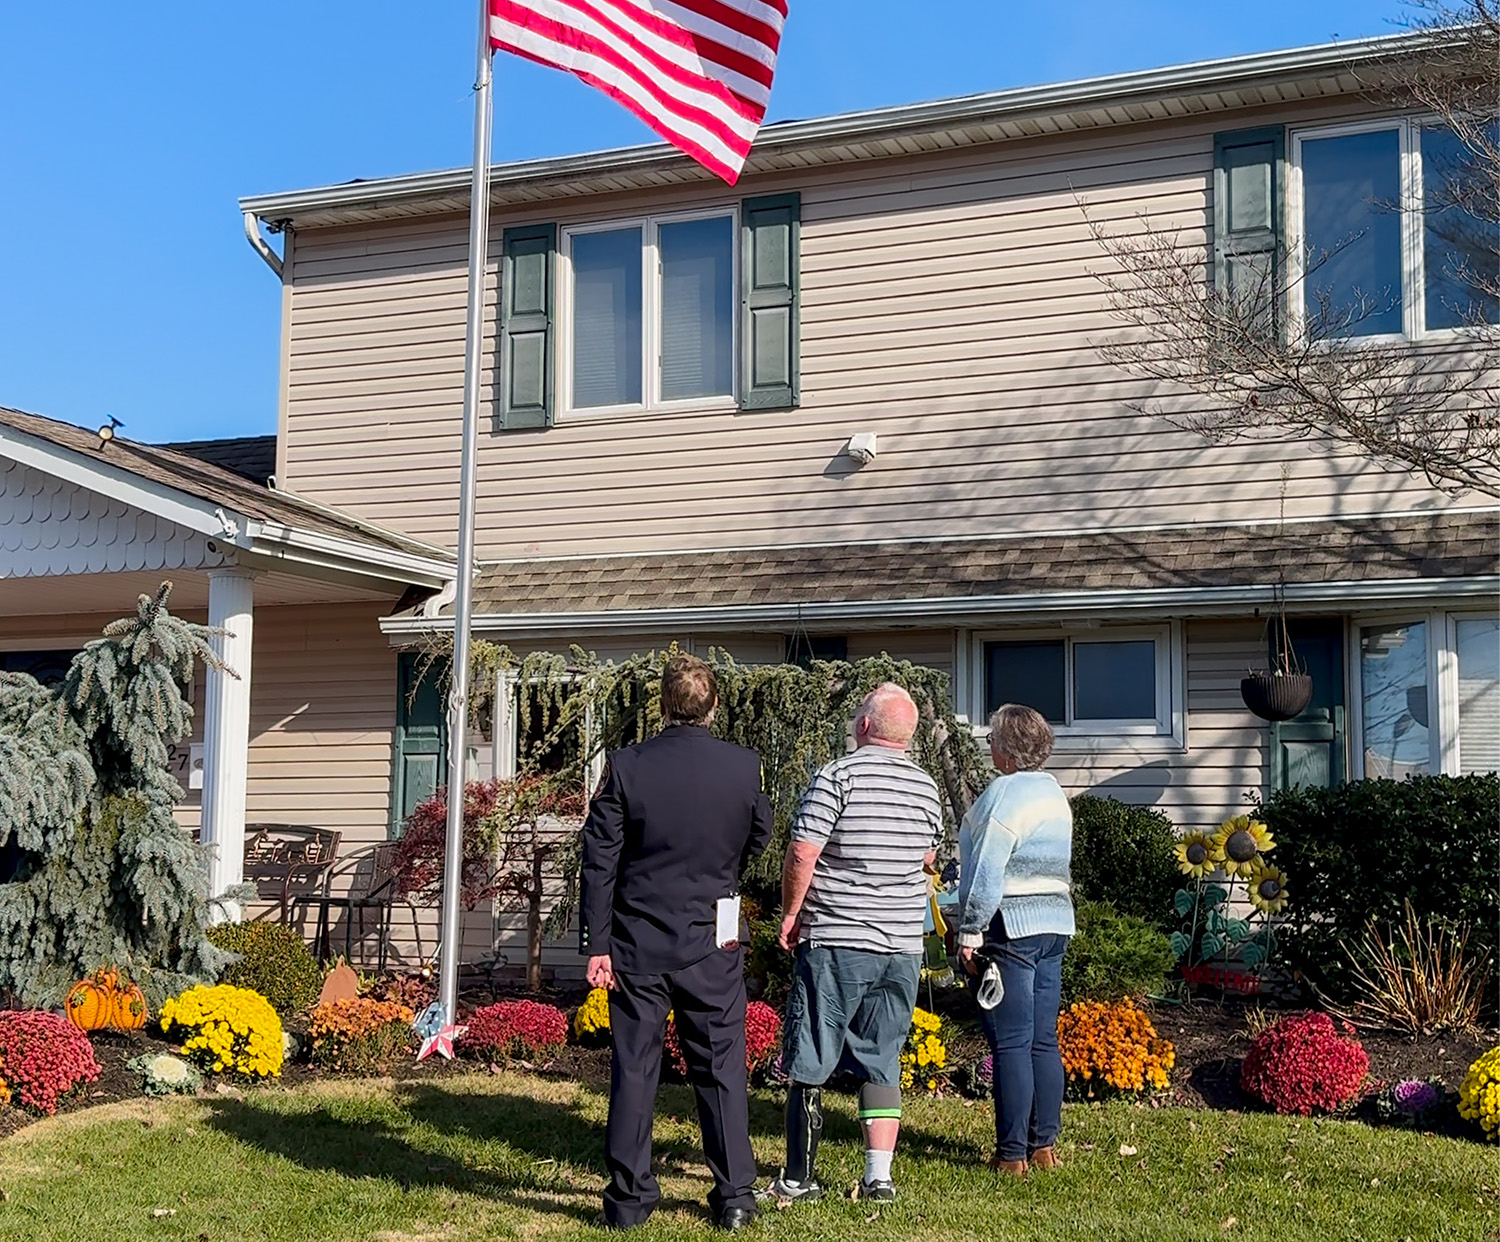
{"type": "Point", "coordinates": [1022, 733]}
{"type": "Point", "coordinates": [689, 690]}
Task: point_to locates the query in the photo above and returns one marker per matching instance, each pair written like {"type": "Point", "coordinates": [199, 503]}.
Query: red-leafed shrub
{"type": "Point", "coordinates": [515, 1029]}
{"type": "Point", "coordinates": [762, 1038]}
{"type": "Point", "coordinates": [45, 1057]}
{"type": "Point", "coordinates": [1303, 1063]}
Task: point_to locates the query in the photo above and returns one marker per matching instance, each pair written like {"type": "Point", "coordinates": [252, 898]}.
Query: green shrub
{"type": "Point", "coordinates": [1123, 854]}
{"type": "Point", "coordinates": [1114, 956]}
{"type": "Point", "coordinates": [1362, 851]}
{"type": "Point", "coordinates": [274, 961]}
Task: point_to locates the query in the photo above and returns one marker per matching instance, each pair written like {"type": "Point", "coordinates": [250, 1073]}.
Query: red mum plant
{"type": "Point", "coordinates": [762, 1038]}
{"type": "Point", "coordinates": [515, 1029]}
{"type": "Point", "coordinates": [1304, 1063]}
{"type": "Point", "coordinates": [45, 1057]}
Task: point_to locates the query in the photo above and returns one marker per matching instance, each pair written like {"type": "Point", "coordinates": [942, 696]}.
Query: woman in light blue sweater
{"type": "Point", "coordinates": [1015, 848]}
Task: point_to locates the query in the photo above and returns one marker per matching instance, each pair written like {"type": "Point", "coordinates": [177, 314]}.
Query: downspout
{"type": "Point", "coordinates": [259, 243]}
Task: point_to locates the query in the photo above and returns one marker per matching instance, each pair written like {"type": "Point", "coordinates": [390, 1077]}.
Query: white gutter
{"type": "Point", "coordinates": [287, 543]}
{"type": "Point", "coordinates": [829, 132]}
{"type": "Point", "coordinates": [1180, 601]}
{"type": "Point", "coordinates": [259, 243]}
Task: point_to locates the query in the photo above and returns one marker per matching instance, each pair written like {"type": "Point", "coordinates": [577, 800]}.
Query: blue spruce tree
{"type": "Point", "coordinates": [105, 874]}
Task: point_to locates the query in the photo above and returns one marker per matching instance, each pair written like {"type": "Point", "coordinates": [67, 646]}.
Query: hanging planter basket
{"type": "Point", "coordinates": [1277, 696]}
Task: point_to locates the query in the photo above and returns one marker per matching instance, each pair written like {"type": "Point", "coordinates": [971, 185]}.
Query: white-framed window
{"type": "Point", "coordinates": [1092, 684]}
{"type": "Point", "coordinates": [648, 310]}
{"type": "Point", "coordinates": [1379, 243]}
{"type": "Point", "coordinates": [1427, 693]}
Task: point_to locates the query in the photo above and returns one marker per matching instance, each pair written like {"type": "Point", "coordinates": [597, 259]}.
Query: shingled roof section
{"type": "Point", "coordinates": [178, 469]}
{"type": "Point", "coordinates": [250, 457]}
{"type": "Point", "coordinates": [1439, 545]}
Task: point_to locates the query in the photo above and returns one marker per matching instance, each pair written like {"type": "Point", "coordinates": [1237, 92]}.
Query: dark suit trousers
{"type": "Point", "coordinates": [709, 1000]}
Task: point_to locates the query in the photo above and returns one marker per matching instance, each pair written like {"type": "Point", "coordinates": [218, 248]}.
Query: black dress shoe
{"type": "Point", "coordinates": [733, 1219]}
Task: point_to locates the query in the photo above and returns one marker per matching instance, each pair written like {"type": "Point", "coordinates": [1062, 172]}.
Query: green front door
{"type": "Point", "coordinates": [419, 765]}
{"type": "Point", "coordinates": [1311, 749]}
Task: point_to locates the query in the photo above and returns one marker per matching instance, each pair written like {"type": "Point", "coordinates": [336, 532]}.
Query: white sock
{"type": "Point", "coordinates": [877, 1166]}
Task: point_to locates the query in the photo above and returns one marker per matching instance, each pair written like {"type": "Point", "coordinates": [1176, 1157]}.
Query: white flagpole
{"type": "Point", "coordinates": [458, 701]}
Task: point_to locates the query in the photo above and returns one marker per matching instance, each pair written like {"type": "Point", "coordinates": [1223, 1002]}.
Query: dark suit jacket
{"type": "Point", "coordinates": [669, 832]}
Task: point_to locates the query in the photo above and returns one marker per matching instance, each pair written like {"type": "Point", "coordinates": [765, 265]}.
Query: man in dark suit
{"type": "Point", "coordinates": [673, 825]}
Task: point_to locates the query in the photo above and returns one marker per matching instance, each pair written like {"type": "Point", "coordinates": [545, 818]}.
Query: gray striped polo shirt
{"type": "Point", "coordinates": [876, 816]}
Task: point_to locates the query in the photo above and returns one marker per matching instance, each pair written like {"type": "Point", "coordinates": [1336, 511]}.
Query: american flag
{"type": "Point", "coordinates": [697, 71]}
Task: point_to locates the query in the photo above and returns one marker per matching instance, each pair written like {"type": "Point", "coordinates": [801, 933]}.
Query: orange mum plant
{"type": "Point", "coordinates": [1113, 1045]}
{"type": "Point", "coordinates": [360, 1035]}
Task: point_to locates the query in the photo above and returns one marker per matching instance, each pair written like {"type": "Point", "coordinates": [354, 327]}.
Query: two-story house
{"type": "Point", "coordinates": [856, 404]}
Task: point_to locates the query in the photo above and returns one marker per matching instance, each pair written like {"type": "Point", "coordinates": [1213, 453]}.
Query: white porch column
{"type": "Point", "coordinates": [226, 731]}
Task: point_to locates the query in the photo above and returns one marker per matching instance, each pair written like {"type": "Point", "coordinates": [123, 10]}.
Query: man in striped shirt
{"type": "Point", "coordinates": [854, 904]}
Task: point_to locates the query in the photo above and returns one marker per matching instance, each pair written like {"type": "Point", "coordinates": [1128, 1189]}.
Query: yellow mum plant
{"type": "Point", "coordinates": [1113, 1044]}
{"type": "Point", "coordinates": [4, 1088]}
{"type": "Point", "coordinates": [591, 1022]}
{"type": "Point", "coordinates": [226, 1029]}
{"type": "Point", "coordinates": [1479, 1097]}
{"type": "Point", "coordinates": [925, 1056]}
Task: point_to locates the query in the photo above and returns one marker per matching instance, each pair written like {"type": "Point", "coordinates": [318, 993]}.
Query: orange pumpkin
{"type": "Point", "coordinates": [90, 1006]}
{"type": "Point", "coordinates": [129, 1009]}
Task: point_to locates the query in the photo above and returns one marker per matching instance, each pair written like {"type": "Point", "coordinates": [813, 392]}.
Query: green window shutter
{"type": "Point", "coordinates": [1249, 216]}
{"type": "Point", "coordinates": [770, 279]}
{"type": "Point", "coordinates": [526, 300]}
{"type": "Point", "coordinates": [420, 762]}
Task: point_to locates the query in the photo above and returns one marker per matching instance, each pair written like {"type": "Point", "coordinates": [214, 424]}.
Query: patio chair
{"type": "Point", "coordinates": [289, 856]}
{"type": "Point", "coordinates": [372, 886]}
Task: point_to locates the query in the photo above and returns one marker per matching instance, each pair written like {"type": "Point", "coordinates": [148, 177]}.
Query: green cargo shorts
{"type": "Point", "coordinates": [849, 1007]}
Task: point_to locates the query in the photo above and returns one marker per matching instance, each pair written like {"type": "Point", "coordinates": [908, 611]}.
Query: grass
{"type": "Point", "coordinates": [505, 1156]}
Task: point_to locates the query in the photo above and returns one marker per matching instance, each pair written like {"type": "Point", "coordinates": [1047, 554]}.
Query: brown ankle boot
{"type": "Point", "coordinates": [1012, 1168]}
{"type": "Point", "coordinates": [1045, 1158]}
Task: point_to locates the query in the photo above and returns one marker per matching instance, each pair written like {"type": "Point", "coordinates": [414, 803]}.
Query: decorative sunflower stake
{"type": "Point", "coordinates": [1239, 842]}
{"type": "Point", "coordinates": [1215, 945]}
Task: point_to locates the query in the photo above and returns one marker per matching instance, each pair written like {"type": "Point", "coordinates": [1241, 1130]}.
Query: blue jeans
{"type": "Point", "coordinates": [1022, 1033]}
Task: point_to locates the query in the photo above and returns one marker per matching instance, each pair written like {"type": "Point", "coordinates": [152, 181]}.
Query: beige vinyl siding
{"type": "Point", "coordinates": [948, 304]}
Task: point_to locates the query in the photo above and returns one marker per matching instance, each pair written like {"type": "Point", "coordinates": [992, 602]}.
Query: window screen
{"type": "Point", "coordinates": [607, 318]}
{"type": "Point", "coordinates": [1114, 680]}
{"type": "Point", "coordinates": [697, 308]}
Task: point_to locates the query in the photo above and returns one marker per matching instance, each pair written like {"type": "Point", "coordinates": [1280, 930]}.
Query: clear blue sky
{"type": "Point", "coordinates": [129, 132]}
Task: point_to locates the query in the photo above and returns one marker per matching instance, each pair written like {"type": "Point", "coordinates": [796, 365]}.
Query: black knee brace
{"type": "Point", "coordinates": [876, 1102]}
{"type": "Point", "coordinates": [804, 1127]}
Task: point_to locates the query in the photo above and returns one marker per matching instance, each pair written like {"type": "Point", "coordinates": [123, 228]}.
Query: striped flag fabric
{"type": "Point", "coordinates": [697, 71]}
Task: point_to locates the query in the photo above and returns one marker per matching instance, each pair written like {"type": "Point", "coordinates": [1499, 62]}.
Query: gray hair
{"type": "Point", "coordinates": [891, 713]}
{"type": "Point", "coordinates": [1023, 734]}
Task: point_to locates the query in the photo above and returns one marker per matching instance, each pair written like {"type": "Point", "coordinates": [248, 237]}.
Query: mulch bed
{"type": "Point", "coordinates": [1211, 1038]}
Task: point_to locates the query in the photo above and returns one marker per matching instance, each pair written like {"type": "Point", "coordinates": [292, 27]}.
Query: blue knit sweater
{"type": "Point", "coordinates": [1014, 848]}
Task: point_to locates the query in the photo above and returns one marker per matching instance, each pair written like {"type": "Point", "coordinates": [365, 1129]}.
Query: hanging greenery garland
{"type": "Point", "coordinates": [571, 708]}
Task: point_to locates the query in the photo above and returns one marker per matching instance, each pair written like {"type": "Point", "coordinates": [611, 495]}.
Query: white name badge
{"type": "Point", "coordinates": [727, 921]}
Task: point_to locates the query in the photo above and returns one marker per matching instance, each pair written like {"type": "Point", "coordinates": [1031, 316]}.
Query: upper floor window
{"type": "Point", "coordinates": [686, 310]}
{"type": "Point", "coordinates": [649, 312]}
{"type": "Point", "coordinates": [1384, 232]}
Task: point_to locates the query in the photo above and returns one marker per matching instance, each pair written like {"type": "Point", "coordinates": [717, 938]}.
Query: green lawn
{"type": "Point", "coordinates": [482, 1156]}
